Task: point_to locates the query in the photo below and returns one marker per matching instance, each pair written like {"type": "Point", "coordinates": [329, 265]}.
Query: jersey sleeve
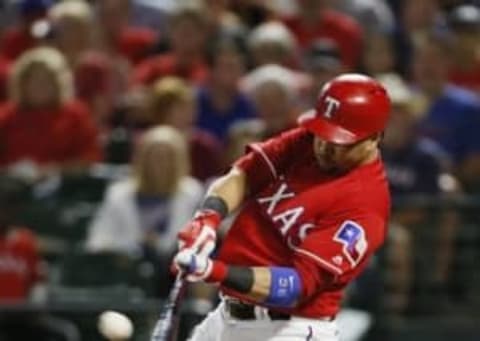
{"type": "Point", "coordinates": [329, 253]}
{"type": "Point", "coordinates": [265, 161]}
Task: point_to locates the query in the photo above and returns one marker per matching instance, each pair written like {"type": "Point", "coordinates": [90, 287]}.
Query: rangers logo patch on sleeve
{"type": "Point", "coordinates": [352, 236]}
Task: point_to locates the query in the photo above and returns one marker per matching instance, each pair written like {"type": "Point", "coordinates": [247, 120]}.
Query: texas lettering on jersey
{"type": "Point", "coordinates": [282, 207]}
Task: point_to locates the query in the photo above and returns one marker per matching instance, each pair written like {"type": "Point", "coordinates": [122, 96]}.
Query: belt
{"type": "Point", "coordinates": [245, 311]}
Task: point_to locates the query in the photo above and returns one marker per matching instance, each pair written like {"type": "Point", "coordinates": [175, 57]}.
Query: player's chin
{"type": "Point", "coordinates": [327, 166]}
{"type": "Point", "coordinates": [331, 166]}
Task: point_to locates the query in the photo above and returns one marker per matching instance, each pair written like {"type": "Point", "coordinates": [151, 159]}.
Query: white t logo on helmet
{"type": "Point", "coordinates": [332, 106]}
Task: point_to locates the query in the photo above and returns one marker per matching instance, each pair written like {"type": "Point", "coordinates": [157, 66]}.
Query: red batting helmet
{"type": "Point", "coordinates": [350, 107]}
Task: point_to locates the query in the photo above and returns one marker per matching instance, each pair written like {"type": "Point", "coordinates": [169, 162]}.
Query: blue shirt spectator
{"type": "Point", "coordinates": [453, 120]}
{"type": "Point", "coordinates": [415, 168]}
{"type": "Point", "coordinates": [218, 121]}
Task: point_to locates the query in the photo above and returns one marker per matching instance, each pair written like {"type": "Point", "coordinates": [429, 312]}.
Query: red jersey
{"type": "Point", "coordinates": [324, 226]}
{"type": "Point", "coordinates": [19, 264]}
{"type": "Point", "coordinates": [341, 28]}
{"type": "Point", "coordinates": [59, 135]}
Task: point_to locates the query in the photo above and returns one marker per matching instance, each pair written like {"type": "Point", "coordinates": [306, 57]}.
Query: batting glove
{"type": "Point", "coordinates": [199, 267]}
{"type": "Point", "coordinates": [200, 234]}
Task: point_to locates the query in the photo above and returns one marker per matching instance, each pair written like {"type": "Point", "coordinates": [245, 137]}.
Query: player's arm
{"type": "Point", "coordinates": [229, 190]}
{"type": "Point", "coordinates": [273, 286]}
{"type": "Point", "coordinates": [223, 196]}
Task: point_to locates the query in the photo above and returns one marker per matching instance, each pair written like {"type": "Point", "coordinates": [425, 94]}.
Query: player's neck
{"type": "Point", "coordinates": [370, 157]}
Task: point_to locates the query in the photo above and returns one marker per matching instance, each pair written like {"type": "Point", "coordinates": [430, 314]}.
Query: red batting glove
{"type": "Point", "coordinates": [200, 234]}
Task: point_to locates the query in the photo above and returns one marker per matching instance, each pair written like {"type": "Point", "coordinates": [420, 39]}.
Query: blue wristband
{"type": "Point", "coordinates": [285, 287]}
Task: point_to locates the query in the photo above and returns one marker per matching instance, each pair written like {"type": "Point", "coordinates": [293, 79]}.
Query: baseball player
{"type": "Point", "coordinates": [313, 207]}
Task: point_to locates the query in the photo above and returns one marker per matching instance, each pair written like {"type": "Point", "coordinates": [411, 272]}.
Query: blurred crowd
{"type": "Point", "coordinates": [157, 98]}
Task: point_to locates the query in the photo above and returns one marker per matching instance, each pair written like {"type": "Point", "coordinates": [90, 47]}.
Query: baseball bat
{"type": "Point", "coordinates": [166, 328]}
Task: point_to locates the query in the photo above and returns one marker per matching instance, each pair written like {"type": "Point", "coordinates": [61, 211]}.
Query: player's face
{"type": "Point", "coordinates": [335, 158]}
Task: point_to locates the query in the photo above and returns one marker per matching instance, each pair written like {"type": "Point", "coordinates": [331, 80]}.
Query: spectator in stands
{"type": "Point", "coordinates": [252, 13]}
{"type": "Point", "coordinates": [465, 24]}
{"type": "Point", "coordinates": [415, 166]}
{"type": "Point", "coordinates": [316, 19]}
{"type": "Point", "coordinates": [220, 102]}
{"type": "Point", "coordinates": [152, 205]}
{"type": "Point", "coordinates": [20, 38]}
{"type": "Point", "coordinates": [172, 102]}
{"type": "Point", "coordinates": [275, 94]}
{"type": "Point", "coordinates": [378, 54]}
{"type": "Point", "coordinates": [416, 18]}
{"type": "Point", "coordinates": [452, 115]}
{"type": "Point", "coordinates": [272, 43]}
{"type": "Point", "coordinates": [21, 268]}
{"type": "Point", "coordinates": [322, 62]}
{"type": "Point", "coordinates": [414, 163]}
{"type": "Point", "coordinates": [373, 15]}
{"type": "Point", "coordinates": [73, 23]}
{"type": "Point", "coordinates": [221, 19]}
{"type": "Point", "coordinates": [41, 123]}
{"type": "Point", "coordinates": [118, 37]}
{"type": "Point", "coordinates": [187, 38]}
{"type": "Point", "coordinates": [241, 134]}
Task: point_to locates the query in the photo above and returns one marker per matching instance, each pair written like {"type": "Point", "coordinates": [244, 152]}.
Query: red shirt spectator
{"type": "Point", "coordinates": [19, 264]}
{"type": "Point", "coordinates": [94, 84]}
{"type": "Point", "coordinates": [118, 36]}
{"type": "Point", "coordinates": [18, 39]}
{"type": "Point", "coordinates": [187, 40]}
{"type": "Point", "coordinates": [60, 135]}
{"type": "Point", "coordinates": [339, 27]}
{"type": "Point", "coordinates": [469, 79]}
{"type": "Point", "coordinates": [167, 65]}
{"type": "Point", "coordinates": [42, 122]}
{"type": "Point", "coordinates": [15, 41]}
{"type": "Point", "coordinates": [135, 43]}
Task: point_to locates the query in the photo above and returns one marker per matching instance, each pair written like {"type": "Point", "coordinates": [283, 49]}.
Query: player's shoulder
{"type": "Point", "coordinates": [365, 195]}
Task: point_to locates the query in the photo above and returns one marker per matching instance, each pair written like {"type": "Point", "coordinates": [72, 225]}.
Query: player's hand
{"type": "Point", "coordinates": [196, 267]}
{"type": "Point", "coordinates": [200, 234]}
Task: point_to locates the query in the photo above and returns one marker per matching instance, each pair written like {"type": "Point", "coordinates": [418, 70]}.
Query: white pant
{"type": "Point", "coordinates": [220, 326]}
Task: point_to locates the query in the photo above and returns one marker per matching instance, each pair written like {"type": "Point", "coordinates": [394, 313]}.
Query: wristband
{"type": "Point", "coordinates": [216, 204]}
{"type": "Point", "coordinates": [218, 273]}
{"type": "Point", "coordinates": [285, 287]}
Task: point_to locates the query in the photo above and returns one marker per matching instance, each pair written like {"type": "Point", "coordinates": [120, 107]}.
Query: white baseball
{"type": "Point", "coordinates": [115, 326]}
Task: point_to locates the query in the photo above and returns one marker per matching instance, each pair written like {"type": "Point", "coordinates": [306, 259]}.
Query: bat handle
{"type": "Point", "coordinates": [165, 328]}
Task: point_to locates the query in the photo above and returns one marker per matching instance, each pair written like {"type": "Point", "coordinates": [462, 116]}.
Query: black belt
{"type": "Point", "coordinates": [244, 311]}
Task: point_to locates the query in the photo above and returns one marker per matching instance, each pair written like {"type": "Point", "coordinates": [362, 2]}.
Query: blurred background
{"type": "Point", "coordinates": [116, 114]}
